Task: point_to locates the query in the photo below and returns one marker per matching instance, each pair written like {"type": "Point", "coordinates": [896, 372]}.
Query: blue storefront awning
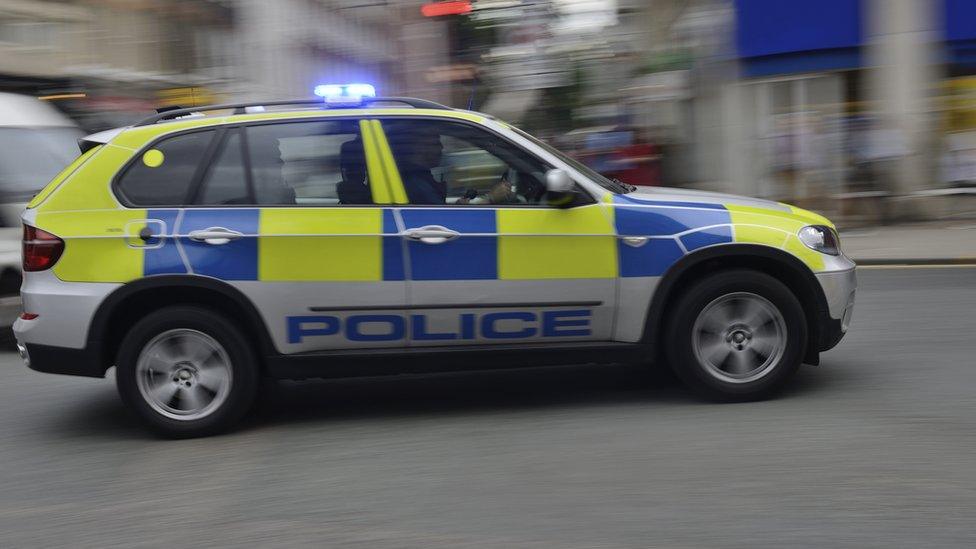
{"type": "Point", "coordinates": [790, 36]}
{"type": "Point", "coordinates": [960, 32]}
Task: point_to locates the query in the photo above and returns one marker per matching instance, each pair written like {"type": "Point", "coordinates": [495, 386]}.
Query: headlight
{"type": "Point", "coordinates": [820, 238]}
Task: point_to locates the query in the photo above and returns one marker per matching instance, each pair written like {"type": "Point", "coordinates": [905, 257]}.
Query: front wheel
{"type": "Point", "coordinates": [736, 335]}
{"type": "Point", "coordinates": [186, 371]}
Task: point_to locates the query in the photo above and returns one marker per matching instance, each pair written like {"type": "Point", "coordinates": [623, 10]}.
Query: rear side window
{"type": "Point", "coordinates": [308, 163]}
{"type": "Point", "coordinates": [226, 182]}
{"type": "Point", "coordinates": [162, 175]}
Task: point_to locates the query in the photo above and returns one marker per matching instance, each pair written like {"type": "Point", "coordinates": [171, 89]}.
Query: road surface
{"type": "Point", "coordinates": [874, 448]}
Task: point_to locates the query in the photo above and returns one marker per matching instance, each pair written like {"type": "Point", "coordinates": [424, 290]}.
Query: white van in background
{"type": "Point", "coordinates": [36, 142]}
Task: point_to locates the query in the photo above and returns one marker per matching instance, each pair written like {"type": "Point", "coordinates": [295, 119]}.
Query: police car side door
{"type": "Point", "coordinates": [493, 273]}
{"type": "Point", "coordinates": [290, 214]}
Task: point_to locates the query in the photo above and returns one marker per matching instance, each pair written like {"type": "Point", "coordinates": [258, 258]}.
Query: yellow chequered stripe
{"type": "Point", "coordinates": [90, 184]}
{"type": "Point", "coordinates": [97, 244]}
{"type": "Point", "coordinates": [58, 179]}
{"type": "Point", "coordinates": [773, 228]}
{"type": "Point", "coordinates": [290, 252]}
{"type": "Point", "coordinates": [812, 218]}
{"type": "Point", "coordinates": [562, 255]}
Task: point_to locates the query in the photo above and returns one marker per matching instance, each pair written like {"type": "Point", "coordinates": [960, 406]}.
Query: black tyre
{"type": "Point", "coordinates": [187, 371]}
{"type": "Point", "coordinates": [736, 335]}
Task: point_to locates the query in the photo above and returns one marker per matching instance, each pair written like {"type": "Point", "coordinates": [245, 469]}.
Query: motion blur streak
{"type": "Point", "coordinates": [861, 110]}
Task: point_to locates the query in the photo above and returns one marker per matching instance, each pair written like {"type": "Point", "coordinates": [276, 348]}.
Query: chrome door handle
{"type": "Point", "coordinates": [634, 241]}
{"type": "Point", "coordinates": [215, 235]}
{"type": "Point", "coordinates": [431, 234]}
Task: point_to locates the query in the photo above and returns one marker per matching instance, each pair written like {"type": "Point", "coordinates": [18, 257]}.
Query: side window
{"type": "Point", "coordinates": [163, 174]}
{"type": "Point", "coordinates": [312, 163]}
{"type": "Point", "coordinates": [450, 162]}
{"type": "Point", "coordinates": [226, 182]}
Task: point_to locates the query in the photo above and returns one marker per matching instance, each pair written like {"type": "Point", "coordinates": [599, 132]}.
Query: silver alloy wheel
{"type": "Point", "coordinates": [739, 337]}
{"type": "Point", "coordinates": [184, 374]}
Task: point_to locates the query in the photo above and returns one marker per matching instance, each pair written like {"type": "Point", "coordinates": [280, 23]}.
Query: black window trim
{"type": "Point", "coordinates": [209, 163]}
{"type": "Point", "coordinates": [583, 196]}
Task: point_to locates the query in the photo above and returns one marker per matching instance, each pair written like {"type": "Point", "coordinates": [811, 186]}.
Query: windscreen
{"type": "Point", "coordinates": [599, 179]}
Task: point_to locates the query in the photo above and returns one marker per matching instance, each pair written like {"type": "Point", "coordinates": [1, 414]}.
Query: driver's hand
{"type": "Point", "coordinates": [468, 195]}
{"type": "Point", "coordinates": [501, 193]}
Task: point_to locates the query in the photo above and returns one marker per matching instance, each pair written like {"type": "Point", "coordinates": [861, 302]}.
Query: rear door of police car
{"type": "Point", "coordinates": [287, 212]}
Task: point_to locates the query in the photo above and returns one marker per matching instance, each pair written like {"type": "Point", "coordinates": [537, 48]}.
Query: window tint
{"type": "Point", "coordinates": [320, 162]}
{"type": "Point", "coordinates": [449, 162]}
{"type": "Point", "coordinates": [162, 175]}
{"type": "Point", "coordinates": [226, 182]}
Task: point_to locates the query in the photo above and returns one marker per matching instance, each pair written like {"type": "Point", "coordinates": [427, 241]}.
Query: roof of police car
{"type": "Point", "coordinates": [136, 136]}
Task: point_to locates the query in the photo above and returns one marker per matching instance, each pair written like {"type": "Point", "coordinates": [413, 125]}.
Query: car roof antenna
{"type": "Point", "coordinates": [474, 87]}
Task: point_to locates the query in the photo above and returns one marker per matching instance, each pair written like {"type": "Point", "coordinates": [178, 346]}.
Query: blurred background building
{"type": "Point", "coordinates": [106, 61]}
{"type": "Point", "coordinates": [863, 109]}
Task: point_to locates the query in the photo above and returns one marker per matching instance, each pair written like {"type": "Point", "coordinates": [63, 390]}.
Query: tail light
{"type": "Point", "coordinates": [41, 249]}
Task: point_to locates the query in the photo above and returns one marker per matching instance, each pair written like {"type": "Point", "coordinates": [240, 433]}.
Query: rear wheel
{"type": "Point", "coordinates": [736, 335]}
{"type": "Point", "coordinates": [187, 371]}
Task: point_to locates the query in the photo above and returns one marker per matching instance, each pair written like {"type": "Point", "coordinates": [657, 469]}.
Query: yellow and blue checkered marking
{"type": "Point", "coordinates": [366, 244]}
{"type": "Point", "coordinates": [162, 255]}
{"type": "Point", "coordinates": [467, 258]}
{"type": "Point", "coordinates": [392, 249]}
{"type": "Point", "coordinates": [236, 260]}
{"type": "Point", "coordinates": [672, 229]}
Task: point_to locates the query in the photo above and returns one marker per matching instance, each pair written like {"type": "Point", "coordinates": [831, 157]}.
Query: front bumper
{"type": "Point", "coordinates": [839, 289]}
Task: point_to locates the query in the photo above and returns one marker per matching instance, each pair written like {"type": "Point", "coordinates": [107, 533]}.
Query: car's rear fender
{"type": "Point", "coordinates": [130, 302]}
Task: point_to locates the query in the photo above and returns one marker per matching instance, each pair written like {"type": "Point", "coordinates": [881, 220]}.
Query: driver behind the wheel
{"type": "Point", "coordinates": [417, 154]}
{"type": "Point", "coordinates": [502, 192]}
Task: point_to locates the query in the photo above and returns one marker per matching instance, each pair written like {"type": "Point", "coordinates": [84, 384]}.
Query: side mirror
{"type": "Point", "coordinates": [559, 188]}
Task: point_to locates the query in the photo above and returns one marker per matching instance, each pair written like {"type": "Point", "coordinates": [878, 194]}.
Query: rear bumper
{"type": "Point", "coordinates": [61, 360]}
{"type": "Point", "coordinates": [64, 310]}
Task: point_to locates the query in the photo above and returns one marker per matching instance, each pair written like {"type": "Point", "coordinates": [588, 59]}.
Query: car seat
{"type": "Point", "coordinates": [269, 182]}
{"type": "Point", "coordinates": [354, 187]}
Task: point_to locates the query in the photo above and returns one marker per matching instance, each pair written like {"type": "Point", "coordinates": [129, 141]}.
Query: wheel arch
{"type": "Point", "coordinates": [123, 307]}
{"type": "Point", "coordinates": [780, 264]}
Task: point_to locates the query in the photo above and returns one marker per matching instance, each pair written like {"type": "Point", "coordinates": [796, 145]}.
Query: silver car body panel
{"type": "Point", "coordinates": [839, 289]}
{"type": "Point", "coordinates": [633, 303]}
{"type": "Point", "coordinates": [64, 309]}
{"type": "Point", "coordinates": [277, 301]}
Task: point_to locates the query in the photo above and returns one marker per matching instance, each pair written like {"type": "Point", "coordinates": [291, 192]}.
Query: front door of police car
{"type": "Point", "coordinates": [488, 261]}
{"type": "Point", "coordinates": [287, 213]}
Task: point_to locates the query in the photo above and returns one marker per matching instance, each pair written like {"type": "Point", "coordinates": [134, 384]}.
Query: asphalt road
{"type": "Point", "coordinates": [874, 448]}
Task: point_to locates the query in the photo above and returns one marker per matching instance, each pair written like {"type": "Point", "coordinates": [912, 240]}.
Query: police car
{"type": "Point", "coordinates": [204, 249]}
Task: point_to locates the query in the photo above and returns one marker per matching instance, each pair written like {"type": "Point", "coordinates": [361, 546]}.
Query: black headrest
{"type": "Point", "coordinates": [352, 160]}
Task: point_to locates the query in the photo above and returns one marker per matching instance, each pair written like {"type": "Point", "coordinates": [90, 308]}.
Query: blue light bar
{"type": "Point", "coordinates": [345, 93]}
{"type": "Point", "coordinates": [328, 90]}
{"type": "Point", "coordinates": [361, 90]}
